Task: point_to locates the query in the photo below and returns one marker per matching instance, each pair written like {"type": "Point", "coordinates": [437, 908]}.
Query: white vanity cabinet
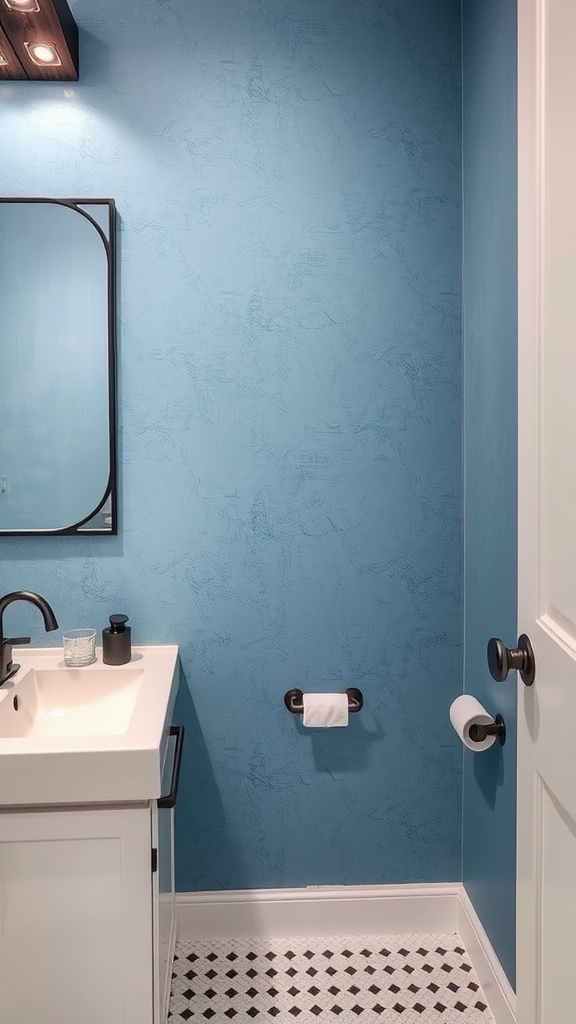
{"type": "Point", "coordinates": [89, 767]}
{"type": "Point", "coordinates": [86, 937]}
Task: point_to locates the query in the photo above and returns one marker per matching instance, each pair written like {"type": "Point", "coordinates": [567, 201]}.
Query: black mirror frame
{"type": "Point", "coordinates": [111, 491]}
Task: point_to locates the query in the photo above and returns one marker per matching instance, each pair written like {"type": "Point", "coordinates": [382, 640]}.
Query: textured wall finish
{"type": "Point", "coordinates": [288, 180]}
{"type": "Point", "coordinates": [490, 329]}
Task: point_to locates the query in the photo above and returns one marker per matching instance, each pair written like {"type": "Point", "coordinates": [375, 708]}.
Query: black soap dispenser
{"type": "Point", "coordinates": [117, 641]}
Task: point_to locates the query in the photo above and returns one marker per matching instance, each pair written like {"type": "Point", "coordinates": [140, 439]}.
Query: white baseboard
{"type": "Point", "coordinates": [499, 993]}
{"type": "Point", "coordinates": [350, 910]}
{"type": "Point", "coordinates": [318, 910]}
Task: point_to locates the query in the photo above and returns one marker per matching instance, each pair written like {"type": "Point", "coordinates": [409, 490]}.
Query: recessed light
{"type": "Point", "coordinates": [3, 61]}
{"type": "Point", "coordinates": [28, 6]}
{"type": "Point", "coordinates": [43, 54]}
{"type": "Point", "coordinates": [39, 39]}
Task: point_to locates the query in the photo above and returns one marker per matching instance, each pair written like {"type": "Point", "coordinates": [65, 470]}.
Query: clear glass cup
{"type": "Point", "coordinates": [79, 647]}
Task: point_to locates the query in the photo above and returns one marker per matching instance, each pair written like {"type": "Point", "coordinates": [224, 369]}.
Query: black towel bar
{"type": "Point", "coordinates": [294, 700]}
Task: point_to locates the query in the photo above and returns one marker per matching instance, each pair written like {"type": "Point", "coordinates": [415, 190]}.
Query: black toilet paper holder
{"type": "Point", "coordinates": [294, 700]}
{"type": "Point", "coordinates": [478, 733]}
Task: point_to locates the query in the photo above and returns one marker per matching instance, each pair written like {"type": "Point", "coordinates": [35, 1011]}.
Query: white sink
{"type": "Point", "coordinates": [63, 702]}
{"type": "Point", "coordinates": [85, 735]}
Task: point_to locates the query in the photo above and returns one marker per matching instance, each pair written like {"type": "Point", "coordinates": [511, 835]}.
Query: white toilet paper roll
{"type": "Point", "coordinates": [466, 711]}
{"type": "Point", "coordinates": [324, 710]}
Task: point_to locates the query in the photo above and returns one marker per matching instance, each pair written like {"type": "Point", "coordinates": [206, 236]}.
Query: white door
{"type": "Point", "coordinates": [547, 510]}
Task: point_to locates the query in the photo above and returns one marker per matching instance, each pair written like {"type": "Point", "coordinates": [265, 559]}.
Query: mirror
{"type": "Point", "coordinates": [57, 366]}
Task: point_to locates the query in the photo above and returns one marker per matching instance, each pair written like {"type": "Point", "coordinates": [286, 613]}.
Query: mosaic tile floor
{"type": "Point", "coordinates": [400, 978]}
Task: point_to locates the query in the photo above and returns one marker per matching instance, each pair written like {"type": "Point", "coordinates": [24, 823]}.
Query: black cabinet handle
{"type": "Point", "coordinates": [170, 799]}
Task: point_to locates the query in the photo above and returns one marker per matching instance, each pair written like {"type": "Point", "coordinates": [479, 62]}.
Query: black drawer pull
{"type": "Point", "coordinates": [170, 799]}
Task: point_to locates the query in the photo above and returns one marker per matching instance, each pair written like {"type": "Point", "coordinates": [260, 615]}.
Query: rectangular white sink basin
{"type": "Point", "coordinates": [85, 735]}
{"type": "Point", "coordinates": [63, 702]}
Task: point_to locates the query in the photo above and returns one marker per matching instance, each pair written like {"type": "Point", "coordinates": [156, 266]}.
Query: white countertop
{"type": "Point", "coordinates": [119, 761]}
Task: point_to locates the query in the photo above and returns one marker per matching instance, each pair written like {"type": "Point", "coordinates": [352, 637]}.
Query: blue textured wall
{"type": "Point", "coordinates": [490, 329]}
{"type": "Point", "coordinates": [288, 182]}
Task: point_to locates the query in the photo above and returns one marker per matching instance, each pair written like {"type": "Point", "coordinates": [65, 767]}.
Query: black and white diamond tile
{"type": "Point", "coordinates": [406, 979]}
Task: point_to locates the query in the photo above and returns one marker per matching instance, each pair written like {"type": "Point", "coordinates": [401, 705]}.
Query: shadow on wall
{"type": "Point", "coordinates": [201, 821]}
{"type": "Point", "coordinates": [203, 804]}
{"type": "Point", "coordinates": [351, 754]}
{"type": "Point", "coordinates": [489, 772]}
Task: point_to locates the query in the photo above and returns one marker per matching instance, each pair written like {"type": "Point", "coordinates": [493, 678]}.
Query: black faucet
{"type": "Point", "coordinates": [7, 667]}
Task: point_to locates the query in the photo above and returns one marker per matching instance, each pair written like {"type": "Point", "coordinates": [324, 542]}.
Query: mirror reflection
{"type": "Point", "coordinates": [57, 414]}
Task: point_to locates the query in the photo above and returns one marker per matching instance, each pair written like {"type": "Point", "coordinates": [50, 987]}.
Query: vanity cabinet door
{"type": "Point", "coordinates": [76, 917]}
